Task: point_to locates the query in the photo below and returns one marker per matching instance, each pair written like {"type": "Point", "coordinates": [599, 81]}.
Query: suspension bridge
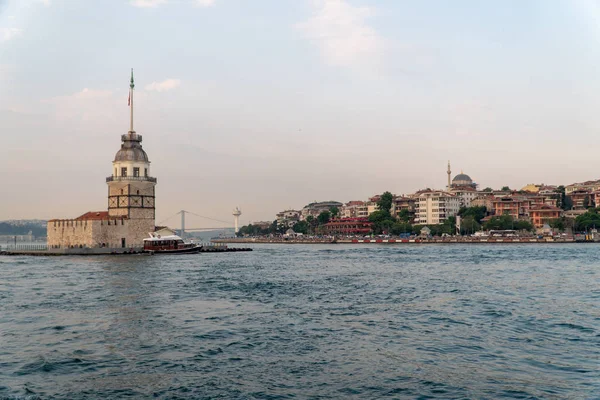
{"type": "Point", "coordinates": [183, 228]}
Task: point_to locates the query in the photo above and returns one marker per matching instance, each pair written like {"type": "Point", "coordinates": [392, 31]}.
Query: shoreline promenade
{"type": "Point", "coordinates": [527, 240]}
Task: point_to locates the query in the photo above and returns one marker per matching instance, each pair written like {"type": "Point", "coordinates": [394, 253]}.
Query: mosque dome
{"type": "Point", "coordinates": [131, 149]}
{"type": "Point", "coordinates": [462, 180]}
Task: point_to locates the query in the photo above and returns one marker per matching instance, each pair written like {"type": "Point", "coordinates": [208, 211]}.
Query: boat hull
{"type": "Point", "coordinates": [188, 250]}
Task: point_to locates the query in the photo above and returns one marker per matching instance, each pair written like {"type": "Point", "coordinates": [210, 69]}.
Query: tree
{"type": "Point", "coordinates": [274, 227]}
{"type": "Point", "coordinates": [505, 189]}
{"type": "Point", "coordinates": [301, 227]}
{"type": "Point", "coordinates": [469, 225]}
{"type": "Point", "coordinates": [380, 221]}
{"type": "Point", "coordinates": [488, 189]}
{"type": "Point", "coordinates": [324, 217]}
{"type": "Point", "coordinates": [312, 223]}
{"type": "Point", "coordinates": [477, 212]}
{"type": "Point", "coordinates": [558, 223]}
{"type": "Point", "coordinates": [404, 215]}
{"type": "Point", "coordinates": [564, 201]}
{"type": "Point", "coordinates": [334, 211]}
{"type": "Point", "coordinates": [589, 220]}
{"type": "Point", "coordinates": [586, 201]}
{"type": "Point", "coordinates": [523, 225]}
{"type": "Point", "coordinates": [385, 203]}
{"type": "Point", "coordinates": [506, 222]}
{"type": "Point", "coordinates": [401, 227]}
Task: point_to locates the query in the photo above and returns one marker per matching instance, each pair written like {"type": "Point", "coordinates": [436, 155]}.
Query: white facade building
{"type": "Point", "coordinates": [435, 207]}
{"type": "Point", "coordinates": [465, 194]}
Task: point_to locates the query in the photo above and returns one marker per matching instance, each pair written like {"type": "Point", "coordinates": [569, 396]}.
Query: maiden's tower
{"type": "Point", "coordinates": [131, 202]}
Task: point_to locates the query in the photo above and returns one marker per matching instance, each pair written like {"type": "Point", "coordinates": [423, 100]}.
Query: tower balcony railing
{"type": "Point", "coordinates": [131, 136]}
{"type": "Point", "coordinates": [131, 178]}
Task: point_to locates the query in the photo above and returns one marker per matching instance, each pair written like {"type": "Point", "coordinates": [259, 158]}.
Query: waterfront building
{"type": "Point", "coordinates": [543, 214]}
{"type": "Point", "coordinates": [317, 208]}
{"type": "Point", "coordinates": [404, 203]}
{"type": "Point", "coordinates": [348, 226]}
{"type": "Point", "coordinates": [531, 188]}
{"type": "Point", "coordinates": [131, 202]}
{"type": "Point", "coordinates": [354, 209]}
{"type": "Point", "coordinates": [372, 204]}
{"type": "Point", "coordinates": [466, 194]}
{"type": "Point", "coordinates": [434, 207]}
{"type": "Point", "coordinates": [581, 198]}
{"type": "Point", "coordinates": [288, 218]}
{"type": "Point", "coordinates": [484, 200]}
{"type": "Point", "coordinates": [590, 186]}
{"type": "Point", "coordinates": [515, 206]}
{"type": "Point", "coordinates": [262, 224]}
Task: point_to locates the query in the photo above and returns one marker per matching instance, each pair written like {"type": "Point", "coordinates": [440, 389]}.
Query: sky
{"type": "Point", "coordinates": [272, 104]}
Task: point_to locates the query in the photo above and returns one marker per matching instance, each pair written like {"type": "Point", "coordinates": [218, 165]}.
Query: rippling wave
{"type": "Point", "coordinates": [326, 321]}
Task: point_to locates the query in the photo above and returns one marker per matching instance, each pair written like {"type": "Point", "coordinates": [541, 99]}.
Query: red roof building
{"type": "Point", "coordinates": [543, 214]}
{"type": "Point", "coordinates": [348, 226]}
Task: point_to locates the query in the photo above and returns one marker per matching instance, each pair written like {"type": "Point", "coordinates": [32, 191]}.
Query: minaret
{"type": "Point", "coordinates": [236, 218]}
{"type": "Point", "coordinates": [449, 173]}
{"type": "Point", "coordinates": [131, 189]}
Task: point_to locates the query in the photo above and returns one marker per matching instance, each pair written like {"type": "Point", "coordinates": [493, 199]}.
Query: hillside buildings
{"type": "Point", "coordinates": [435, 207]}
{"type": "Point", "coordinates": [539, 204]}
{"type": "Point", "coordinates": [317, 208]}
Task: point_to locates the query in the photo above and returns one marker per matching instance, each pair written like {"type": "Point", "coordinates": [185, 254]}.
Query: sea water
{"type": "Point", "coordinates": [305, 321]}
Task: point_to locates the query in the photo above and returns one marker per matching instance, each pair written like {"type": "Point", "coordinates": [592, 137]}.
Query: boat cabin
{"type": "Point", "coordinates": [164, 243]}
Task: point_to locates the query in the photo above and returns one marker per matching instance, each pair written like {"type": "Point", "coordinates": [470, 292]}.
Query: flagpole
{"type": "Point", "coordinates": [131, 86]}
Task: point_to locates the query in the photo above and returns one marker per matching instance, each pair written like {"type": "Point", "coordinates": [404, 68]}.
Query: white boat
{"type": "Point", "coordinates": [169, 244]}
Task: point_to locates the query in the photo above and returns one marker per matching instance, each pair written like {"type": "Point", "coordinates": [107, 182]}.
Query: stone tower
{"type": "Point", "coordinates": [131, 188]}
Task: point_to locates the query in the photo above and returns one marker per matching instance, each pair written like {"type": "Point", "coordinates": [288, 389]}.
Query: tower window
{"type": "Point", "coordinates": [136, 171]}
{"type": "Point", "coordinates": [124, 171]}
{"type": "Point", "coordinates": [145, 171]}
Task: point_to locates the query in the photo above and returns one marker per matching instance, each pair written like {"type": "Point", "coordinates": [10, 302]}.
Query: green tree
{"type": "Point", "coordinates": [404, 215]}
{"type": "Point", "coordinates": [558, 223]}
{"type": "Point", "coordinates": [379, 219]}
{"type": "Point", "coordinates": [523, 225]}
{"type": "Point", "coordinates": [401, 227]}
{"type": "Point", "coordinates": [587, 221]}
{"type": "Point", "coordinates": [564, 201]}
{"type": "Point", "coordinates": [324, 217]}
{"type": "Point", "coordinates": [505, 189]}
{"type": "Point", "coordinates": [469, 225]}
{"type": "Point", "coordinates": [301, 227]}
{"type": "Point", "coordinates": [488, 189]}
{"type": "Point", "coordinates": [274, 228]}
{"type": "Point", "coordinates": [477, 212]}
{"type": "Point", "coordinates": [334, 212]}
{"type": "Point", "coordinates": [385, 203]}
{"type": "Point", "coordinates": [586, 201]}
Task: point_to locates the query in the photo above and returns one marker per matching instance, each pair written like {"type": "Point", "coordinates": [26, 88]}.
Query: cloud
{"type": "Point", "coordinates": [156, 3]}
{"type": "Point", "coordinates": [342, 33]}
{"type": "Point", "coordinates": [147, 3]}
{"type": "Point", "coordinates": [87, 105]}
{"type": "Point", "coordinates": [205, 3]}
{"type": "Point", "coordinates": [7, 34]}
{"type": "Point", "coordinates": [46, 2]}
{"type": "Point", "coordinates": [164, 85]}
